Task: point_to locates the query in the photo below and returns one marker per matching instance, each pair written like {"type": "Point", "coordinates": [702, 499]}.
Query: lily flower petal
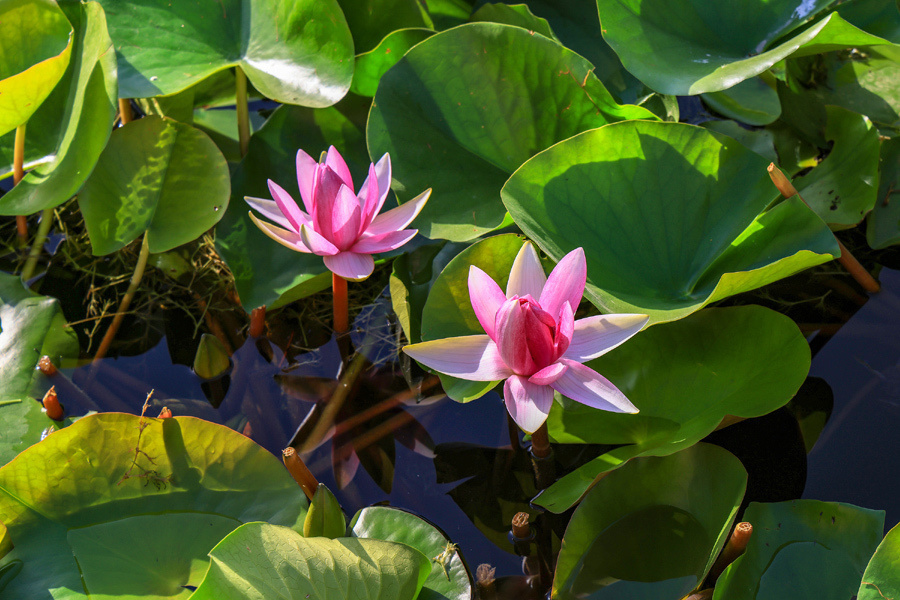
{"type": "Point", "coordinates": [316, 243]}
{"type": "Point", "coordinates": [287, 206]}
{"type": "Point", "coordinates": [350, 265]}
{"type": "Point", "coordinates": [595, 336]}
{"type": "Point", "coordinates": [328, 186]}
{"type": "Point", "coordinates": [470, 357]}
{"type": "Point", "coordinates": [306, 179]}
{"type": "Point", "coordinates": [510, 329]}
{"type": "Point", "coordinates": [399, 217]}
{"type": "Point", "coordinates": [528, 404]}
{"type": "Point", "coordinates": [383, 179]}
{"type": "Point", "coordinates": [565, 283]}
{"type": "Point", "coordinates": [565, 327]}
{"type": "Point", "coordinates": [585, 385]}
{"type": "Point", "coordinates": [368, 200]}
{"type": "Point", "coordinates": [527, 275]}
{"type": "Point", "coordinates": [486, 297]}
{"type": "Point", "coordinates": [335, 161]}
{"type": "Point", "coordinates": [282, 236]}
{"type": "Point", "coordinates": [346, 215]}
{"type": "Point", "coordinates": [548, 374]}
{"type": "Point", "coordinates": [269, 209]}
{"type": "Point", "coordinates": [376, 244]}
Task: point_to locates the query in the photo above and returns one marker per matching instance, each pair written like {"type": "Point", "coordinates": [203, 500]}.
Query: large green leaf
{"type": "Point", "coordinates": [752, 101]}
{"type": "Point", "coordinates": [671, 217]}
{"type": "Point", "coordinates": [259, 561]}
{"type": "Point", "coordinates": [35, 48]}
{"type": "Point", "coordinates": [371, 21]}
{"type": "Point", "coordinates": [157, 176]}
{"type": "Point", "coordinates": [880, 579]}
{"type": "Point", "coordinates": [371, 65]}
{"type": "Point", "coordinates": [448, 310]}
{"type": "Point", "coordinates": [682, 47]}
{"type": "Point", "coordinates": [842, 188]}
{"type": "Point", "coordinates": [685, 377]}
{"type": "Point", "coordinates": [30, 326]}
{"type": "Point", "coordinates": [297, 52]}
{"type": "Point", "coordinates": [883, 227]}
{"type": "Point", "coordinates": [651, 530]}
{"type": "Point", "coordinates": [119, 506]}
{"type": "Point", "coordinates": [448, 580]}
{"type": "Point", "coordinates": [480, 100]}
{"type": "Point", "coordinates": [263, 270]}
{"type": "Point", "coordinates": [802, 536]}
{"type": "Point", "coordinates": [69, 131]}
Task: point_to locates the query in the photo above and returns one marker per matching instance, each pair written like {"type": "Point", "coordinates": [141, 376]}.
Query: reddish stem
{"type": "Point", "coordinates": [341, 309]}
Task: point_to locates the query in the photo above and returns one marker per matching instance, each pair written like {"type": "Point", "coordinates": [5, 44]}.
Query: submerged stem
{"type": "Point", "coordinates": [243, 111]}
{"type": "Point", "coordinates": [38, 243]}
{"type": "Point", "coordinates": [126, 300]}
{"type": "Point", "coordinates": [18, 174]}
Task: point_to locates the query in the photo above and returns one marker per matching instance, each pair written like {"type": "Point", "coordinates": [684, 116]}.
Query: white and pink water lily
{"type": "Point", "coordinates": [533, 340]}
{"type": "Point", "coordinates": [339, 225]}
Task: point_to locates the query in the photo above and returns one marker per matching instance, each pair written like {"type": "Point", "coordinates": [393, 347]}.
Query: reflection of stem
{"type": "Point", "coordinates": [849, 262]}
{"type": "Point", "coordinates": [387, 404]}
{"type": "Point", "coordinates": [18, 174]}
{"type": "Point", "coordinates": [38, 243]}
{"type": "Point", "coordinates": [384, 429]}
{"type": "Point", "coordinates": [735, 546]}
{"type": "Point", "coordinates": [300, 472]}
{"type": "Point", "coordinates": [125, 113]}
{"type": "Point", "coordinates": [126, 300]}
{"type": "Point", "coordinates": [329, 414]}
{"type": "Point", "coordinates": [243, 111]}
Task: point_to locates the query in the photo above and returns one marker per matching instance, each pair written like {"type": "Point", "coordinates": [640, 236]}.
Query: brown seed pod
{"type": "Point", "coordinates": [46, 366]}
{"type": "Point", "coordinates": [52, 406]}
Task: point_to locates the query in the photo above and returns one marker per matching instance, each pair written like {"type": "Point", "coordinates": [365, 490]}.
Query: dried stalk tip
{"type": "Point", "coordinates": [46, 366]}
{"type": "Point", "coordinates": [735, 546]}
{"type": "Point", "coordinates": [484, 575]}
{"type": "Point", "coordinates": [257, 322]}
{"type": "Point", "coordinates": [520, 526]}
{"type": "Point", "coordinates": [781, 181]}
{"type": "Point", "coordinates": [165, 413]}
{"type": "Point", "coordinates": [300, 472]}
{"type": "Point", "coordinates": [52, 406]}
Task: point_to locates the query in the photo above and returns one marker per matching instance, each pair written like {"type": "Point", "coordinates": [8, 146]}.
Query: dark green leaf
{"type": "Point", "coordinates": [880, 579]}
{"type": "Point", "coordinates": [370, 66]}
{"type": "Point", "coordinates": [884, 222]}
{"type": "Point", "coordinates": [752, 101]}
{"type": "Point", "coordinates": [371, 21]}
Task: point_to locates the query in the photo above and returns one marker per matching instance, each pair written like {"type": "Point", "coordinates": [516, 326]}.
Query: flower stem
{"type": "Point", "coordinates": [847, 259]}
{"type": "Point", "coordinates": [243, 111]}
{"type": "Point", "coordinates": [126, 300]}
{"type": "Point", "coordinates": [18, 174]}
{"type": "Point", "coordinates": [540, 442]}
{"type": "Point", "coordinates": [125, 113]}
{"type": "Point", "coordinates": [542, 458]}
{"type": "Point", "coordinates": [735, 546]}
{"type": "Point", "coordinates": [300, 472]}
{"type": "Point", "coordinates": [38, 243]}
{"type": "Point", "coordinates": [341, 309]}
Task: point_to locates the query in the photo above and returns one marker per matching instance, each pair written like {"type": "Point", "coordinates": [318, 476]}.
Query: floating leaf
{"type": "Point", "coordinates": [880, 579]}
{"type": "Point", "coordinates": [671, 217]}
{"type": "Point", "coordinates": [372, 65]}
{"type": "Point", "coordinates": [68, 132]}
{"type": "Point", "coordinates": [157, 176]}
{"type": "Point", "coordinates": [751, 101]}
{"type": "Point", "coordinates": [683, 48]}
{"type": "Point", "coordinates": [842, 188]}
{"type": "Point", "coordinates": [372, 21]}
{"type": "Point", "coordinates": [480, 99]}
{"type": "Point", "coordinates": [119, 506]}
{"type": "Point", "coordinates": [449, 578]}
{"type": "Point", "coordinates": [884, 221]}
{"type": "Point", "coordinates": [685, 377]}
{"type": "Point", "coordinates": [297, 52]}
{"type": "Point", "coordinates": [652, 529]}
{"type": "Point", "coordinates": [35, 48]}
{"type": "Point", "coordinates": [519, 15]}
{"type": "Point", "coordinates": [30, 326]}
{"type": "Point", "coordinates": [802, 536]}
{"type": "Point", "coordinates": [259, 561]}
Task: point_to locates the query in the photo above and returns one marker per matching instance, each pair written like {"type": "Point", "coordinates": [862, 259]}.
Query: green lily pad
{"type": "Point", "coordinates": [448, 310]}
{"type": "Point", "coordinates": [449, 578]}
{"type": "Point", "coordinates": [842, 188]}
{"type": "Point", "coordinates": [880, 579]}
{"type": "Point", "coordinates": [264, 271]}
{"type": "Point", "coordinates": [68, 132]}
{"type": "Point", "coordinates": [519, 15]}
{"type": "Point", "coordinates": [119, 506]}
{"type": "Point", "coordinates": [35, 49]}
{"type": "Point", "coordinates": [761, 141]}
{"type": "Point", "coordinates": [652, 529]}
{"type": "Point", "coordinates": [293, 52]}
{"type": "Point", "coordinates": [752, 101]}
{"type": "Point", "coordinates": [157, 176]}
{"type": "Point", "coordinates": [30, 327]}
{"type": "Point", "coordinates": [685, 48]}
{"type": "Point", "coordinates": [480, 99]}
{"type": "Point", "coordinates": [372, 21]}
{"type": "Point", "coordinates": [766, 570]}
{"type": "Point", "coordinates": [259, 561]}
{"type": "Point", "coordinates": [371, 65]}
{"type": "Point", "coordinates": [671, 217]}
{"type": "Point", "coordinates": [685, 377]}
{"type": "Point", "coordinates": [878, 17]}
{"type": "Point", "coordinates": [325, 517]}
{"type": "Point", "coordinates": [883, 227]}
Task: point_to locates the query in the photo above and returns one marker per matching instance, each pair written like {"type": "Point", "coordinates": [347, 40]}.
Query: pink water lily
{"type": "Point", "coordinates": [533, 340]}
{"type": "Point", "coordinates": [339, 225]}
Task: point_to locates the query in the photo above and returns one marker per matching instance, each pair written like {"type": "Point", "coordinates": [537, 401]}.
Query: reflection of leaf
{"type": "Point", "coordinates": [107, 500]}
{"type": "Point", "coordinates": [671, 217]}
